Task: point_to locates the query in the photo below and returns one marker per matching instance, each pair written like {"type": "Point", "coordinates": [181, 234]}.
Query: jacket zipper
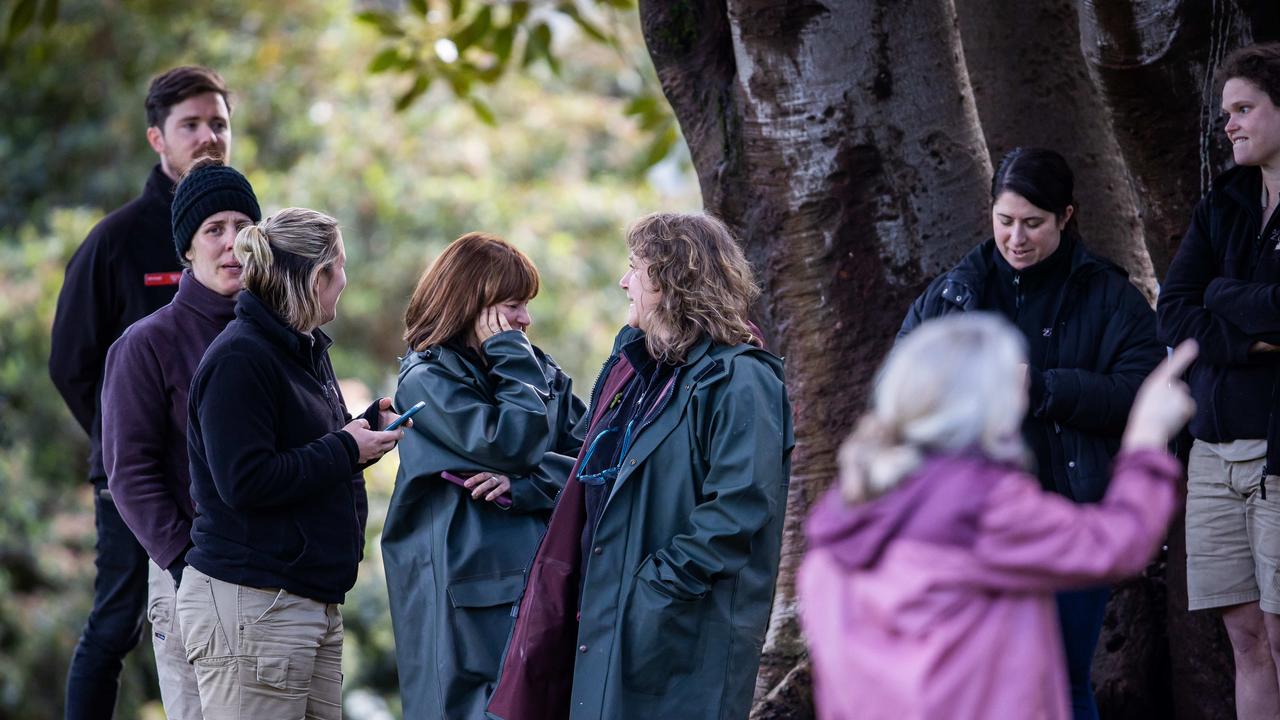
{"type": "Point", "coordinates": [1017, 291]}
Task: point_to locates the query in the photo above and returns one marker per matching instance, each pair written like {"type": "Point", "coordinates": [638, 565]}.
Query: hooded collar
{"type": "Point", "coordinates": [1052, 271]}
{"type": "Point", "coordinates": [940, 503]}
{"type": "Point", "coordinates": [217, 309]}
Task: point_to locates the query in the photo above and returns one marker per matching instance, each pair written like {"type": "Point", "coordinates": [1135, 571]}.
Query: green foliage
{"type": "Point", "coordinates": [476, 43]}
{"type": "Point", "coordinates": [547, 161]}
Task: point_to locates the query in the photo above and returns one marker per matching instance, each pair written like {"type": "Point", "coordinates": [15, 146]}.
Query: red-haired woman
{"type": "Point", "coordinates": [479, 472]}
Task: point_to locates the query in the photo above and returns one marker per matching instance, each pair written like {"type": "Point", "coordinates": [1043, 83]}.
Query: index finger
{"type": "Point", "coordinates": [1173, 366]}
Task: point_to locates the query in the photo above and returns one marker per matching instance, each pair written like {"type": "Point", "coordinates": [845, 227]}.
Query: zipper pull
{"type": "Point", "coordinates": [1017, 291]}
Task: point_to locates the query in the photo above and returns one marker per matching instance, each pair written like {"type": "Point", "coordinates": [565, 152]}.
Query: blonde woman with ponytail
{"type": "Point", "coordinates": [276, 481]}
{"type": "Point", "coordinates": [928, 587]}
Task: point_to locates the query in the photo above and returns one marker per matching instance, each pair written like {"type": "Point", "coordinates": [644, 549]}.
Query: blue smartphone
{"type": "Point", "coordinates": [407, 414]}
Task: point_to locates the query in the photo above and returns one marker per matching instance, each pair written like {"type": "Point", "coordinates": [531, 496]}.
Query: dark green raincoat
{"type": "Point", "coordinates": [454, 565]}
{"type": "Point", "coordinates": [681, 572]}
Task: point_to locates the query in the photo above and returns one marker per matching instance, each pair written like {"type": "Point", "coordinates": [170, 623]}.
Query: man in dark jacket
{"type": "Point", "coordinates": [126, 269]}
{"type": "Point", "coordinates": [1223, 289]}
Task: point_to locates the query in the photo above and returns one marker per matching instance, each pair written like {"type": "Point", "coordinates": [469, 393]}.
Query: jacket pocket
{"type": "Point", "coordinates": [660, 636]}
{"type": "Point", "coordinates": [480, 610]}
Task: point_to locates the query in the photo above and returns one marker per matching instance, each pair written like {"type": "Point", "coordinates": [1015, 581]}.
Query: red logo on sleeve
{"type": "Point", "coordinates": [164, 278]}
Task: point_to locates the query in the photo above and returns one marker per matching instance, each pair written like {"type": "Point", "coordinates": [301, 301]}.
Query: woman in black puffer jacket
{"type": "Point", "coordinates": [1090, 339]}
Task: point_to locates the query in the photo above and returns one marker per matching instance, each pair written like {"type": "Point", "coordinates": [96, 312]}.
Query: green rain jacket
{"type": "Point", "coordinates": [454, 565]}
{"type": "Point", "coordinates": [680, 578]}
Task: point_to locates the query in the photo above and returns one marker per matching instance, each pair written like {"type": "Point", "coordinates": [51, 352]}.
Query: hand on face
{"type": "Point", "coordinates": [504, 316]}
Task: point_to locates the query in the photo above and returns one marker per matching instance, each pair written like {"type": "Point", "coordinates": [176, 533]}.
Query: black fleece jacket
{"type": "Point", "coordinates": [279, 497]}
{"type": "Point", "coordinates": [126, 269]}
{"type": "Point", "coordinates": [1223, 289]}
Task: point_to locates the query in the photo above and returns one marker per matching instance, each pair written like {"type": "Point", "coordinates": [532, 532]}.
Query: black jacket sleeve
{"type": "Point", "coordinates": [83, 328]}
{"type": "Point", "coordinates": [1099, 401]}
{"type": "Point", "coordinates": [1254, 307]}
{"type": "Point", "coordinates": [1181, 311]}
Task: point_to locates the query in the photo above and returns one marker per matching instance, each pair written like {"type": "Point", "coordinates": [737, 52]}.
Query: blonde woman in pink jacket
{"type": "Point", "coordinates": [927, 590]}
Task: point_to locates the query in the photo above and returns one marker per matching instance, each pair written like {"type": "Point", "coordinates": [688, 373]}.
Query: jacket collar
{"type": "Point", "coordinates": [707, 363]}
{"type": "Point", "coordinates": [159, 187]}
{"type": "Point", "coordinates": [964, 284]}
{"type": "Point", "coordinates": [305, 348]}
{"type": "Point", "coordinates": [204, 302]}
{"type": "Point", "coordinates": [1243, 185]}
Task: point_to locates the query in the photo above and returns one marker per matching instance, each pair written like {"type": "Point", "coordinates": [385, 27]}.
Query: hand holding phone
{"type": "Point", "coordinates": [406, 415]}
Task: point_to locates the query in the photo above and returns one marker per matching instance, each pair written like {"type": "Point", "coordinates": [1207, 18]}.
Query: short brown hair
{"type": "Point", "coordinates": [705, 282]}
{"type": "Point", "coordinates": [283, 256]}
{"type": "Point", "coordinates": [1259, 64]}
{"type": "Point", "coordinates": [174, 86]}
{"type": "Point", "coordinates": [476, 271]}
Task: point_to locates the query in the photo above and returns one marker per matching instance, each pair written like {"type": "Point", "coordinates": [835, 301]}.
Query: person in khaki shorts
{"type": "Point", "coordinates": [276, 481]}
{"type": "Point", "coordinates": [1223, 289]}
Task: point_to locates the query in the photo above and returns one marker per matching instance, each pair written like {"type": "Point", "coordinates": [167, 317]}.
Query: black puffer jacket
{"type": "Point", "coordinates": [1101, 348]}
{"type": "Point", "coordinates": [1223, 289]}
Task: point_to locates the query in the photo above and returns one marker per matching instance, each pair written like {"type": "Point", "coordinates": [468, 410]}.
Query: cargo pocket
{"type": "Point", "coordinates": [660, 637]}
{"type": "Point", "coordinates": [480, 609]}
{"type": "Point", "coordinates": [273, 672]}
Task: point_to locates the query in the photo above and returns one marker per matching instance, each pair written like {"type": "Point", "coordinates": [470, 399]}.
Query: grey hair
{"type": "Point", "coordinates": [952, 385]}
{"type": "Point", "coordinates": [283, 256]}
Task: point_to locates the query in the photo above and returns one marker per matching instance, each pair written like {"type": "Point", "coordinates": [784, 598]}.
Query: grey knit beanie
{"type": "Point", "coordinates": [206, 191]}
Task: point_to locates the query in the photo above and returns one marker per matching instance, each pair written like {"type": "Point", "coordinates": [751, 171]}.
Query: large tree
{"type": "Point", "coordinates": [849, 144]}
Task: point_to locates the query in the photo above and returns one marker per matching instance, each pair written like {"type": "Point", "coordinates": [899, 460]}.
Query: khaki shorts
{"type": "Point", "coordinates": [1233, 535]}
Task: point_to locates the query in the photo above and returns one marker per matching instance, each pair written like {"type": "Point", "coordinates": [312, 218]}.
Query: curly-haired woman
{"type": "Point", "coordinates": [650, 593]}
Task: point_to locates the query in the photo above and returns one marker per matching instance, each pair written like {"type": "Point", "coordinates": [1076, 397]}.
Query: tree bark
{"type": "Point", "coordinates": [841, 143]}
{"type": "Point", "coordinates": [1154, 61]}
{"type": "Point", "coordinates": [1032, 88]}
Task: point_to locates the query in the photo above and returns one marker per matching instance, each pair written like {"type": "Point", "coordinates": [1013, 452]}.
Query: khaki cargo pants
{"type": "Point", "coordinates": [261, 653]}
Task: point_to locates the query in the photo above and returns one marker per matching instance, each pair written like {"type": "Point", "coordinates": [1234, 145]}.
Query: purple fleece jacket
{"type": "Point", "coordinates": [144, 415]}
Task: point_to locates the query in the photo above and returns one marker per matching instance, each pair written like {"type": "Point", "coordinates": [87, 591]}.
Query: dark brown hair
{"type": "Point", "coordinates": [1259, 64]}
{"type": "Point", "coordinates": [174, 86]}
{"type": "Point", "coordinates": [476, 271]}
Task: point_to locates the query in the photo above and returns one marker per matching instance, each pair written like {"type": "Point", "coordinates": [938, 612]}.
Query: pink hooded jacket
{"type": "Point", "coordinates": [936, 599]}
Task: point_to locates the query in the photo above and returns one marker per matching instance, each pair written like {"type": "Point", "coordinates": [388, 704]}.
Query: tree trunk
{"type": "Point", "coordinates": [1153, 62]}
{"type": "Point", "coordinates": [1032, 89]}
{"type": "Point", "coordinates": [840, 141]}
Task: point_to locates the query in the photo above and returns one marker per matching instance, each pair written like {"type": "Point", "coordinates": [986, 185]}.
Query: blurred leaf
{"type": "Point", "coordinates": [460, 78]}
{"type": "Point", "coordinates": [519, 11]}
{"type": "Point", "coordinates": [660, 147]}
{"type": "Point", "coordinates": [49, 13]}
{"type": "Point", "coordinates": [23, 13]}
{"type": "Point", "coordinates": [619, 4]}
{"type": "Point", "coordinates": [483, 111]}
{"type": "Point", "coordinates": [539, 46]}
{"type": "Point", "coordinates": [640, 105]}
{"type": "Point", "coordinates": [385, 60]}
{"type": "Point", "coordinates": [476, 29]}
{"type": "Point", "coordinates": [420, 6]}
{"type": "Point", "coordinates": [420, 85]}
{"type": "Point", "coordinates": [587, 26]}
{"type": "Point", "coordinates": [502, 42]}
{"type": "Point", "coordinates": [385, 22]}
{"type": "Point", "coordinates": [455, 9]}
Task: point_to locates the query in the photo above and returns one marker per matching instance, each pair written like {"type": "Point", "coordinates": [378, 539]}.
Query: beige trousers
{"type": "Point", "coordinates": [261, 653]}
{"type": "Point", "coordinates": [177, 678]}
